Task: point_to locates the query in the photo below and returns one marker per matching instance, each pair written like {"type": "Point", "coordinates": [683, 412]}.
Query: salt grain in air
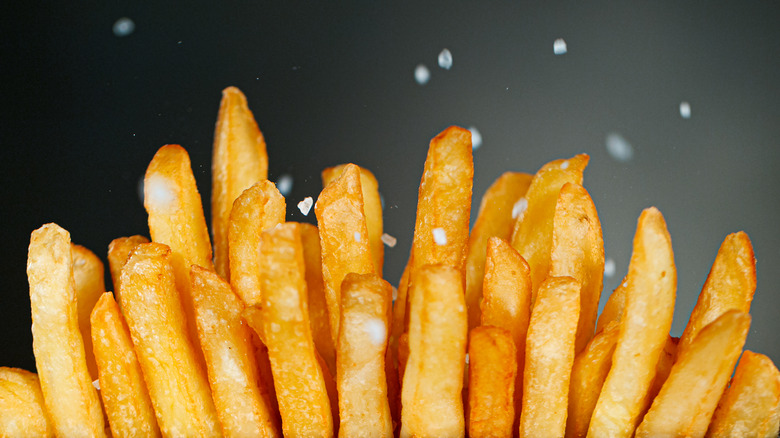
{"type": "Point", "coordinates": [305, 205]}
{"type": "Point", "coordinates": [445, 59]}
{"type": "Point", "coordinates": [476, 138]}
{"type": "Point", "coordinates": [421, 74]}
{"type": "Point", "coordinates": [389, 240]}
{"type": "Point", "coordinates": [376, 331]}
{"type": "Point", "coordinates": [685, 110]}
{"type": "Point", "coordinates": [618, 147]}
{"type": "Point", "coordinates": [440, 236]}
{"type": "Point", "coordinates": [96, 384]}
{"type": "Point", "coordinates": [123, 27]}
{"type": "Point", "coordinates": [519, 208]}
{"type": "Point", "coordinates": [158, 189]}
{"type": "Point", "coordinates": [284, 184]}
{"type": "Point", "coordinates": [609, 268]}
{"type": "Point", "coordinates": [559, 46]}
{"type": "Point", "coordinates": [357, 236]}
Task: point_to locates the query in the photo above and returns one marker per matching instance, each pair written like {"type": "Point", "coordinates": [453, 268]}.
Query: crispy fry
{"type": "Point", "coordinates": [90, 285]}
{"type": "Point", "coordinates": [362, 387]}
{"type": "Point", "coordinates": [239, 160]}
{"type": "Point", "coordinates": [645, 324]}
{"type": "Point", "coordinates": [549, 355]}
{"type": "Point", "coordinates": [687, 400]}
{"type": "Point", "coordinates": [578, 252]}
{"type": "Point", "coordinates": [750, 407]}
{"type": "Point", "coordinates": [118, 252]}
{"type": "Point", "coordinates": [343, 237]}
{"type": "Point", "coordinates": [613, 309]}
{"type": "Point", "coordinates": [71, 400]}
{"type": "Point", "coordinates": [403, 355]}
{"type": "Point", "coordinates": [232, 368]}
{"type": "Point", "coordinates": [533, 230]}
{"type": "Point", "coordinates": [122, 388]}
{"type": "Point", "coordinates": [500, 206]}
{"type": "Point", "coordinates": [257, 209]}
{"type": "Point", "coordinates": [662, 370]}
{"type": "Point", "coordinates": [492, 370]}
{"type": "Point", "coordinates": [22, 409]}
{"type": "Point", "coordinates": [178, 386]}
{"type": "Point", "coordinates": [400, 306]}
{"type": "Point", "coordinates": [372, 207]}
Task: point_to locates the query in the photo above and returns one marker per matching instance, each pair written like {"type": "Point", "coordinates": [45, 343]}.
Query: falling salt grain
{"type": "Point", "coordinates": [609, 268]}
{"type": "Point", "coordinates": [159, 191]}
{"type": "Point", "coordinates": [376, 331]}
{"type": "Point", "coordinates": [685, 110]}
{"type": "Point", "coordinates": [285, 184]}
{"type": "Point", "coordinates": [618, 147]}
{"type": "Point", "coordinates": [440, 236]}
{"type": "Point", "coordinates": [96, 384]}
{"type": "Point", "coordinates": [565, 165]}
{"type": "Point", "coordinates": [559, 46]}
{"type": "Point", "coordinates": [445, 59]}
{"type": "Point", "coordinates": [467, 358]}
{"type": "Point", "coordinates": [389, 240]}
{"type": "Point", "coordinates": [357, 236]}
{"type": "Point", "coordinates": [519, 208]}
{"type": "Point", "coordinates": [476, 138]}
{"type": "Point", "coordinates": [123, 27]}
{"type": "Point", "coordinates": [421, 74]}
{"type": "Point", "coordinates": [395, 294]}
{"type": "Point", "coordinates": [305, 205]}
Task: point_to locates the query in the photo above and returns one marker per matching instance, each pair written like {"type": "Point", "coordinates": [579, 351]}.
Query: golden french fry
{"type": "Point", "coordinates": [613, 308]}
{"type": "Point", "coordinates": [257, 209]}
{"type": "Point", "coordinates": [492, 370]}
{"type": "Point", "coordinates": [501, 204]}
{"type": "Point", "coordinates": [750, 406]}
{"type": "Point", "coordinates": [90, 285]}
{"type": "Point", "coordinates": [372, 207]}
{"type": "Point", "coordinates": [645, 324]}
{"type": "Point", "coordinates": [578, 252]}
{"type": "Point", "coordinates": [178, 385]}
{"type": "Point", "coordinates": [432, 404]}
{"type": "Point", "coordinates": [533, 230]}
{"type": "Point", "coordinates": [118, 252]}
{"type": "Point", "coordinates": [400, 305]}
{"type": "Point", "coordinates": [362, 387]}
{"type": "Point", "coordinates": [230, 358]}
{"type": "Point", "coordinates": [343, 237]}
{"type": "Point", "coordinates": [549, 356]}
{"type": "Point", "coordinates": [688, 398]}
{"type": "Point", "coordinates": [71, 400]}
{"type": "Point", "coordinates": [122, 387]}
{"type": "Point", "coordinates": [239, 160]}
{"type": "Point", "coordinates": [22, 409]}
{"type": "Point", "coordinates": [729, 285]}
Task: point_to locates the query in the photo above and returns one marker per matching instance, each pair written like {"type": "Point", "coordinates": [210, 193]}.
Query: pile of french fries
{"type": "Point", "coordinates": [289, 329]}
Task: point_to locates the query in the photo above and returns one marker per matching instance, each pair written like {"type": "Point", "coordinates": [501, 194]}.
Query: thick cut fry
{"type": "Point", "coordinates": [533, 230]}
{"type": "Point", "coordinates": [432, 404]}
{"type": "Point", "coordinates": [232, 368]}
{"type": "Point", "coordinates": [178, 386]}
{"type": "Point", "coordinates": [372, 207]}
{"type": "Point", "coordinates": [492, 370]}
{"type": "Point", "coordinates": [501, 204]}
{"type": "Point", "coordinates": [645, 324]}
{"type": "Point", "coordinates": [688, 398]}
{"type": "Point", "coordinates": [729, 285]}
{"type": "Point", "coordinates": [613, 309]}
{"type": "Point", "coordinates": [239, 160]}
{"type": "Point", "coordinates": [403, 355]}
{"type": "Point", "coordinates": [343, 237]}
{"type": "Point", "coordinates": [283, 324]}
{"type": "Point", "coordinates": [71, 400]}
{"type": "Point", "coordinates": [549, 355]}
{"type": "Point", "coordinates": [578, 252]}
{"type": "Point", "coordinates": [118, 252]}
{"type": "Point", "coordinates": [90, 285]}
{"type": "Point", "coordinates": [122, 387]}
{"type": "Point", "coordinates": [364, 410]}
{"type": "Point", "coordinates": [400, 305]}
{"type": "Point", "coordinates": [22, 409]}
{"type": "Point", "coordinates": [257, 209]}
{"type": "Point", "coordinates": [750, 407]}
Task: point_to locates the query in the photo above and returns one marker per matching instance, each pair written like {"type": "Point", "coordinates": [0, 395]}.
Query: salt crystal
{"type": "Point", "coordinates": [389, 240]}
{"type": "Point", "coordinates": [476, 138]}
{"type": "Point", "coordinates": [123, 27]}
{"type": "Point", "coordinates": [618, 147]}
{"type": "Point", "coordinates": [685, 110]}
{"type": "Point", "coordinates": [96, 384]}
{"type": "Point", "coordinates": [158, 192]}
{"type": "Point", "coordinates": [357, 236]}
{"type": "Point", "coordinates": [305, 205]}
{"type": "Point", "coordinates": [565, 165]}
{"type": "Point", "coordinates": [395, 294]}
{"type": "Point", "coordinates": [519, 208]}
{"type": "Point", "coordinates": [559, 46]}
{"type": "Point", "coordinates": [445, 59]}
{"type": "Point", "coordinates": [421, 74]}
{"type": "Point", "coordinates": [376, 330]}
{"type": "Point", "coordinates": [467, 358]}
{"type": "Point", "coordinates": [284, 184]}
{"type": "Point", "coordinates": [609, 267]}
{"type": "Point", "coordinates": [440, 236]}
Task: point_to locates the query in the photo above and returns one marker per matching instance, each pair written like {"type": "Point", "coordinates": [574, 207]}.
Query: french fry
{"type": "Point", "coordinates": [432, 404]}
{"type": "Point", "coordinates": [578, 252]}
{"type": "Point", "coordinates": [549, 356]}
{"type": "Point", "coordinates": [645, 324]}
{"type": "Point", "coordinates": [177, 384]}
{"type": "Point", "coordinates": [613, 308]}
{"type": "Point", "coordinates": [90, 285]}
{"type": "Point", "coordinates": [118, 252]}
{"type": "Point", "coordinates": [239, 160]}
{"type": "Point", "coordinates": [492, 370]}
{"type": "Point", "coordinates": [230, 358]}
{"type": "Point", "coordinates": [662, 370]}
{"type": "Point", "coordinates": [687, 400]}
{"type": "Point", "coordinates": [372, 207]}
{"type": "Point", "coordinates": [500, 206]}
{"type": "Point", "coordinates": [257, 209]}
{"type": "Point", "coordinates": [122, 387]}
{"type": "Point", "coordinates": [71, 400]}
{"type": "Point", "coordinates": [400, 306]}
{"type": "Point", "coordinates": [364, 410]}
{"type": "Point", "coordinates": [343, 237]}
{"type": "Point", "coordinates": [750, 406]}
{"type": "Point", "coordinates": [533, 231]}
{"type": "Point", "coordinates": [22, 409]}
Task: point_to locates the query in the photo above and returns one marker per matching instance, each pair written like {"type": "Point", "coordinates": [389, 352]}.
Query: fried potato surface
{"type": "Point", "coordinates": [492, 370]}
{"type": "Point", "coordinates": [118, 252]}
{"type": "Point", "coordinates": [90, 285]}
{"type": "Point", "coordinates": [22, 409]}
{"type": "Point", "coordinates": [613, 308]}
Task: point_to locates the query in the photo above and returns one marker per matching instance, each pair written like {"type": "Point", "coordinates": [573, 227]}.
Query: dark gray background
{"type": "Point", "coordinates": [83, 112]}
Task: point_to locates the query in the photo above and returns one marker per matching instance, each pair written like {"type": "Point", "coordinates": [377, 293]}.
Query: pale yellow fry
{"type": "Point", "coordinates": [533, 230]}
{"type": "Point", "coordinates": [22, 409]}
{"type": "Point", "coordinates": [239, 159]}
{"type": "Point", "coordinates": [729, 285]}
{"type": "Point", "coordinates": [500, 206]}
{"type": "Point", "coordinates": [257, 209]}
{"type": "Point", "coordinates": [662, 370]}
{"type": "Point", "coordinates": [364, 410]}
{"type": "Point", "coordinates": [750, 406]}
{"type": "Point", "coordinates": [122, 387]}
{"type": "Point", "coordinates": [90, 285]}
{"type": "Point", "coordinates": [578, 252]}
{"type": "Point", "coordinates": [687, 400]}
{"type": "Point", "coordinates": [178, 385]}
{"type": "Point", "coordinates": [230, 358]}
{"type": "Point", "coordinates": [343, 237]}
{"type": "Point", "coordinates": [492, 370]}
{"type": "Point", "coordinates": [71, 400]}
{"type": "Point", "coordinates": [372, 207]}
{"type": "Point", "coordinates": [645, 324]}
{"type": "Point", "coordinates": [118, 252]}
{"type": "Point", "coordinates": [613, 309]}
{"type": "Point", "coordinates": [432, 404]}
{"type": "Point", "coordinates": [549, 356]}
